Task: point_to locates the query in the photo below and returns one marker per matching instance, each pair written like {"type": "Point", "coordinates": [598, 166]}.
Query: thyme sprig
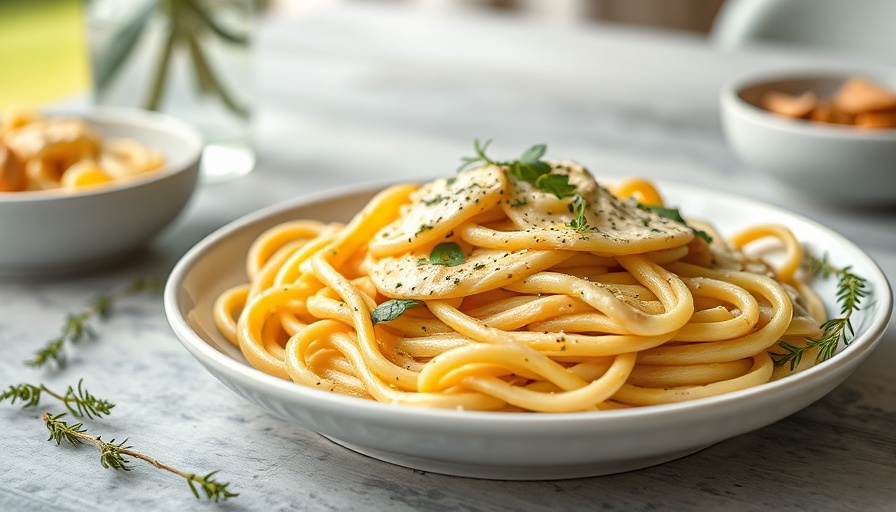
{"type": "Point", "coordinates": [530, 168]}
{"type": "Point", "coordinates": [79, 402]}
{"type": "Point", "coordinates": [815, 266]}
{"type": "Point", "coordinates": [851, 288]}
{"type": "Point", "coordinates": [112, 455]}
{"type": "Point", "coordinates": [479, 158]}
{"type": "Point", "coordinates": [77, 326]}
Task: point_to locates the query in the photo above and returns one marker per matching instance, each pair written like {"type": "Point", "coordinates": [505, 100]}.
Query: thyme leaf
{"type": "Point", "coordinates": [479, 158]}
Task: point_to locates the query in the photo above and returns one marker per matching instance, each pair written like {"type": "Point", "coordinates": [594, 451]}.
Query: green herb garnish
{"type": "Point", "coordinates": [446, 253]}
{"type": "Point", "coordinates": [480, 158]}
{"type": "Point", "coordinates": [558, 185]}
{"type": "Point", "coordinates": [577, 206]}
{"type": "Point", "coordinates": [530, 168]}
{"type": "Point", "coordinates": [81, 402]}
{"type": "Point", "coordinates": [392, 309]}
{"type": "Point", "coordinates": [674, 214]}
{"type": "Point", "coordinates": [112, 456]}
{"type": "Point", "coordinates": [850, 291]}
{"type": "Point", "coordinates": [78, 402]}
{"type": "Point", "coordinates": [77, 325]}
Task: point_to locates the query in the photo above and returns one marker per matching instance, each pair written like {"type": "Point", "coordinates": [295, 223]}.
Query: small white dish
{"type": "Point", "coordinates": [58, 232]}
{"type": "Point", "coordinates": [838, 164]}
{"type": "Point", "coordinates": [519, 446]}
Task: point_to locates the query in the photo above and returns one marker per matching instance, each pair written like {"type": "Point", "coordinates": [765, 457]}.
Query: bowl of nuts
{"type": "Point", "coordinates": [831, 136]}
{"type": "Point", "coordinates": [78, 191]}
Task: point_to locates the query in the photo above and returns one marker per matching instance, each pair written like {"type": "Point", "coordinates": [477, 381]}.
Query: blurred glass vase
{"type": "Point", "coordinates": [188, 58]}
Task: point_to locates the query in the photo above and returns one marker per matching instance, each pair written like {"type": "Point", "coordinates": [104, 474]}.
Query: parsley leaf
{"type": "Point", "coordinates": [531, 169]}
{"type": "Point", "coordinates": [447, 253]}
{"type": "Point", "coordinates": [529, 172]}
{"type": "Point", "coordinates": [392, 309]}
{"type": "Point", "coordinates": [556, 184]}
{"type": "Point", "coordinates": [533, 154]}
{"type": "Point", "coordinates": [674, 214]}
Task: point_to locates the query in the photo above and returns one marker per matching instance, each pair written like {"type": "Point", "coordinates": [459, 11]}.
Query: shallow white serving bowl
{"type": "Point", "coordinates": [55, 232]}
{"type": "Point", "coordinates": [834, 163]}
{"type": "Point", "coordinates": [513, 445]}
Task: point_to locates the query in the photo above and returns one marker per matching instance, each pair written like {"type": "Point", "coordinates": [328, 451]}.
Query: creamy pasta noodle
{"type": "Point", "coordinates": [509, 290]}
{"type": "Point", "coordinates": [45, 153]}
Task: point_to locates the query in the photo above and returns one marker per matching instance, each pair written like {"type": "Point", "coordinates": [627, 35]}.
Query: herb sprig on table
{"type": "Point", "coordinates": [80, 403]}
{"type": "Point", "coordinates": [530, 168]}
{"type": "Point", "coordinates": [851, 289]}
{"type": "Point", "coordinates": [77, 326]}
{"type": "Point", "coordinates": [112, 456]}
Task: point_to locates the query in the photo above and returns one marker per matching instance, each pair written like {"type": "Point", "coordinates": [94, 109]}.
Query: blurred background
{"type": "Point", "coordinates": [43, 55]}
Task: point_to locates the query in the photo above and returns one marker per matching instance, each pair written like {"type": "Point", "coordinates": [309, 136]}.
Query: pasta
{"type": "Point", "coordinates": [45, 153]}
{"type": "Point", "coordinates": [484, 291]}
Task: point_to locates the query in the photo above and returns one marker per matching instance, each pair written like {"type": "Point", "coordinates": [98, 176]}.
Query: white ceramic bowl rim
{"type": "Point", "coordinates": [731, 95]}
{"type": "Point", "coordinates": [297, 393]}
{"type": "Point", "coordinates": [126, 116]}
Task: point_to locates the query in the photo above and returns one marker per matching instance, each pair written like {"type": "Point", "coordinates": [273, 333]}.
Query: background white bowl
{"type": "Point", "coordinates": [513, 445]}
{"type": "Point", "coordinates": [834, 163]}
{"type": "Point", "coordinates": [53, 232]}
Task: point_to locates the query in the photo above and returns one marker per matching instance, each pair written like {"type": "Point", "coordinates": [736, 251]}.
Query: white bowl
{"type": "Point", "coordinates": [832, 163]}
{"type": "Point", "coordinates": [54, 231]}
{"type": "Point", "coordinates": [513, 445]}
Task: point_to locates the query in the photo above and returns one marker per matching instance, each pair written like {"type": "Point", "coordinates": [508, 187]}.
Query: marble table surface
{"type": "Point", "coordinates": [360, 92]}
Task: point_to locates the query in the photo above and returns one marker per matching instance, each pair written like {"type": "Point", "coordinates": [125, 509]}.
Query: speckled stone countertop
{"type": "Point", "coordinates": [358, 92]}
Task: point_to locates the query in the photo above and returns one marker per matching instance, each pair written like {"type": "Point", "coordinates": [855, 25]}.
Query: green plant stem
{"type": "Point", "coordinates": [850, 290]}
{"type": "Point", "coordinates": [187, 21]}
{"type": "Point", "coordinates": [106, 64]}
{"type": "Point", "coordinates": [157, 88]}
{"type": "Point", "coordinates": [214, 27]}
{"type": "Point", "coordinates": [207, 75]}
{"type": "Point", "coordinates": [80, 403]}
{"type": "Point", "coordinates": [205, 84]}
{"type": "Point", "coordinates": [112, 456]}
{"type": "Point", "coordinates": [77, 325]}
